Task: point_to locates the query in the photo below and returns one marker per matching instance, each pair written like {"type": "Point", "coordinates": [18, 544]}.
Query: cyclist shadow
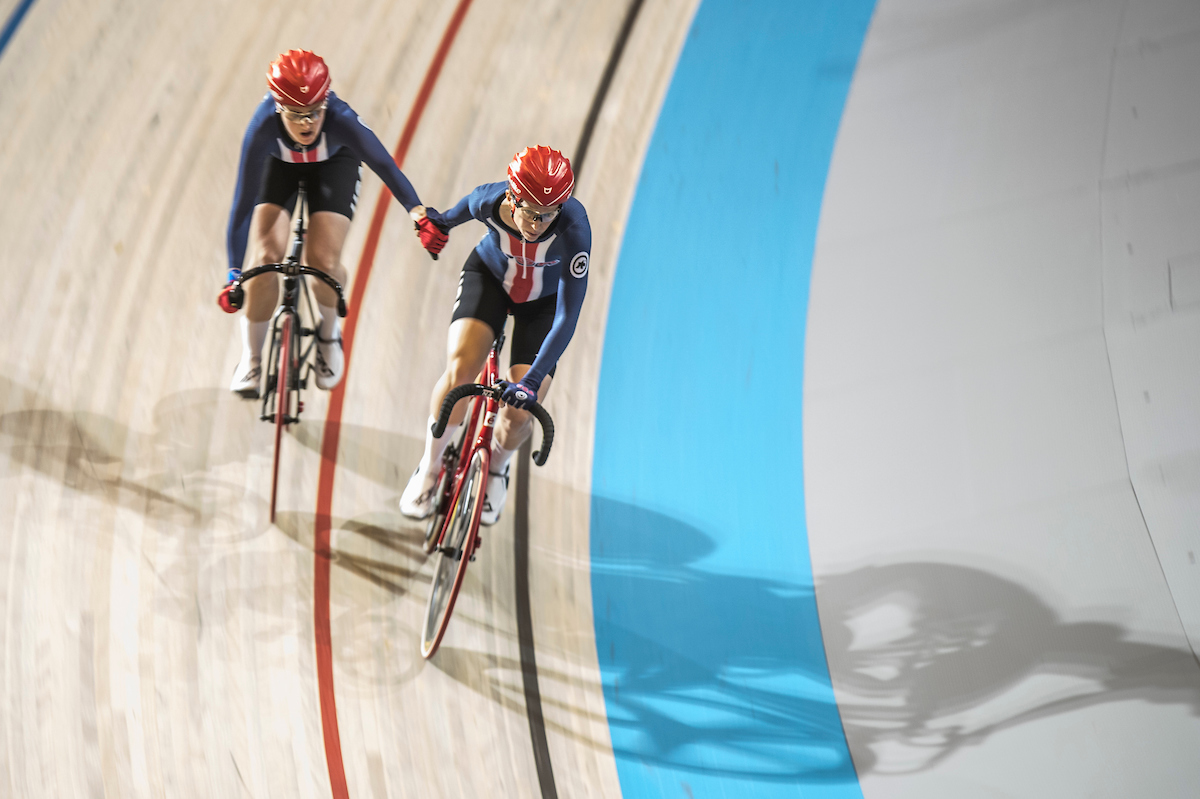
{"type": "Point", "coordinates": [697, 663]}
{"type": "Point", "coordinates": [162, 474]}
{"type": "Point", "coordinates": [386, 553]}
{"type": "Point", "coordinates": [383, 457]}
{"type": "Point", "coordinates": [932, 657]}
{"type": "Point", "coordinates": [372, 547]}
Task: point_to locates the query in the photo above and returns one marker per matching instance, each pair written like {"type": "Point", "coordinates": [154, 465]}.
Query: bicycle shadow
{"type": "Point", "coordinates": [930, 657]}
{"type": "Point", "coordinates": [733, 673]}
{"type": "Point", "coordinates": [386, 552]}
{"type": "Point", "coordinates": [163, 474]}
{"type": "Point", "coordinates": [383, 457]}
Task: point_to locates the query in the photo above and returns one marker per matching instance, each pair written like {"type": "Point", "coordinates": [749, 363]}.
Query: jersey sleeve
{"type": "Point", "coordinates": [256, 149]}
{"type": "Point", "coordinates": [572, 287]}
{"type": "Point", "coordinates": [473, 206]}
{"type": "Point", "coordinates": [371, 150]}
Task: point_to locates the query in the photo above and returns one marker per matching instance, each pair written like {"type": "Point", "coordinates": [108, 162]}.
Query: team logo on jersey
{"type": "Point", "coordinates": [526, 263]}
{"type": "Point", "coordinates": [579, 265]}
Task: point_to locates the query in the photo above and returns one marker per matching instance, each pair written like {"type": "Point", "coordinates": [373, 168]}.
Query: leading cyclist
{"type": "Point", "coordinates": [303, 131]}
{"type": "Point", "coordinates": [532, 262]}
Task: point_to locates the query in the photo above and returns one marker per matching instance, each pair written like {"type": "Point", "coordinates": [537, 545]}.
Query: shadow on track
{"type": "Point", "coordinates": [164, 474]}
{"type": "Point", "coordinates": [738, 672]}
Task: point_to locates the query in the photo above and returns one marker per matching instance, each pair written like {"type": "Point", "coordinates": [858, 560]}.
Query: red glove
{"type": "Point", "coordinates": [230, 299]}
{"type": "Point", "coordinates": [432, 235]}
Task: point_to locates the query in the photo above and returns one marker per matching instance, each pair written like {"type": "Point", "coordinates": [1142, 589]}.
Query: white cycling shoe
{"type": "Point", "coordinates": [331, 363]}
{"type": "Point", "coordinates": [246, 378]}
{"type": "Point", "coordinates": [493, 500]}
{"type": "Point", "coordinates": [417, 500]}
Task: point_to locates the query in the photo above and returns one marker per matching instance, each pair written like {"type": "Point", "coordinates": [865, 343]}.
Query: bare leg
{"type": "Point", "coordinates": [269, 230]}
{"type": "Point", "coordinates": [323, 250]}
{"type": "Point", "coordinates": [514, 426]}
{"type": "Point", "coordinates": [467, 347]}
{"type": "Point", "coordinates": [512, 429]}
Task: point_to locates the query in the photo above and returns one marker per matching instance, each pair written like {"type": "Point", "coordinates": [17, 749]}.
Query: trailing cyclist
{"type": "Point", "coordinates": [303, 131]}
{"type": "Point", "coordinates": [532, 262]}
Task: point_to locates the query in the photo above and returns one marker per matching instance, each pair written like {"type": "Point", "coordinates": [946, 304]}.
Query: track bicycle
{"type": "Point", "coordinates": [290, 362]}
{"type": "Point", "coordinates": [453, 529]}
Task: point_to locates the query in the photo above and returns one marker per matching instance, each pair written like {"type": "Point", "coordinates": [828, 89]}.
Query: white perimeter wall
{"type": "Point", "coordinates": [1003, 378]}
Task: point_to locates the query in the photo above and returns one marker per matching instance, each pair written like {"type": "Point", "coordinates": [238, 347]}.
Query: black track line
{"type": "Point", "coordinates": [529, 674]}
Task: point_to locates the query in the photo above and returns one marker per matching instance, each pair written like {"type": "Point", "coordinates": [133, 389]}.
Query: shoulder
{"type": "Point", "coordinates": [483, 197]}
{"type": "Point", "coordinates": [263, 117]}
{"type": "Point", "coordinates": [574, 221]}
{"type": "Point", "coordinates": [340, 116]}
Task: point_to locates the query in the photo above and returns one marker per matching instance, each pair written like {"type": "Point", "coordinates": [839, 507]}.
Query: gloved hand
{"type": "Point", "coordinates": [519, 395]}
{"type": "Point", "coordinates": [430, 229]}
{"type": "Point", "coordinates": [230, 299]}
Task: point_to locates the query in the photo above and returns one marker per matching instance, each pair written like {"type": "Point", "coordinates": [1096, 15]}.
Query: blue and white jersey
{"type": "Point", "coordinates": [266, 138]}
{"type": "Point", "coordinates": [557, 263]}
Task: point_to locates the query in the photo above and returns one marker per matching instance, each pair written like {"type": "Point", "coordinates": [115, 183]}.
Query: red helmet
{"type": "Point", "coordinates": [298, 77]}
{"type": "Point", "coordinates": [541, 176]}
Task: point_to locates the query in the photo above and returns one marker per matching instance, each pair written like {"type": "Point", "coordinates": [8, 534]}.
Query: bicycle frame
{"type": "Point", "coordinates": [459, 509]}
{"type": "Point", "coordinates": [480, 424]}
{"type": "Point", "coordinates": [293, 286]}
{"type": "Point", "coordinates": [284, 376]}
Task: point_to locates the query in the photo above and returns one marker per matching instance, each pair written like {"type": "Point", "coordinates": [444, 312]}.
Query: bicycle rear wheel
{"type": "Point", "coordinates": [284, 366]}
{"type": "Point", "coordinates": [454, 554]}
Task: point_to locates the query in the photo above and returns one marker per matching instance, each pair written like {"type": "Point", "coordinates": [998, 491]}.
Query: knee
{"type": "Point", "coordinates": [459, 372]}
{"type": "Point", "coordinates": [329, 264]}
{"type": "Point", "coordinates": [513, 421]}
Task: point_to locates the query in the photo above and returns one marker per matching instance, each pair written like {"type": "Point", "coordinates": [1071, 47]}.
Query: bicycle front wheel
{"type": "Point", "coordinates": [443, 493]}
{"type": "Point", "coordinates": [284, 364]}
{"type": "Point", "coordinates": [458, 543]}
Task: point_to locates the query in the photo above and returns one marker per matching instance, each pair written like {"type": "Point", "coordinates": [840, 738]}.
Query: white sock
{"type": "Point", "coordinates": [434, 447]}
{"type": "Point", "coordinates": [328, 329]}
{"type": "Point", "coordinates": [254, 335]}
{"type": "Point", "coordinates": [500, 457]}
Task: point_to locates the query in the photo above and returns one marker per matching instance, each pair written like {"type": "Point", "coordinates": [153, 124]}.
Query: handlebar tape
{"type": "Point", "coordinates": [539, 413]}
{"type": "Point", "coordinates": [452, 398]}
{"type": "Point", "coordinates": [474, 389]}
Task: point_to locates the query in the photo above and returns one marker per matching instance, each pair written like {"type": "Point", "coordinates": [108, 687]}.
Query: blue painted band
{"type": "Point", "coordinates": [710, 650]}
{"type": "Point", "coordinates": [14, 19]}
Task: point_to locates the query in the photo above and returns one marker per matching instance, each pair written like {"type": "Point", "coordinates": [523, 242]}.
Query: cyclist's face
{"type": "Point", "coordinates": [531, 220]}
{"type": "Point", "coordinates": [302, 123]}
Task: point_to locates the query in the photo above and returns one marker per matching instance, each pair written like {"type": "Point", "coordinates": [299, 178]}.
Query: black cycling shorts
{"type": "Point", "coordinates": [481, 296]}
{"type": "Point", "coordinates": [332, 185]}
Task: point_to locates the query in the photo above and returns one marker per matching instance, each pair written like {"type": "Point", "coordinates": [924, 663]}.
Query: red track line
{"type": "Point", "coordinates": [333, 420]}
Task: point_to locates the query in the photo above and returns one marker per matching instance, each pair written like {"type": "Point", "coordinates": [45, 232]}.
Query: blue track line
{"type": "Point", "coordinates": [14, 19]}
{"type": "Point", "coordinates": [710, 650]}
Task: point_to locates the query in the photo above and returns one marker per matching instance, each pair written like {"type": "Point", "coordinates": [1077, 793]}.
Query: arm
{"type": "Point", "coordinates": [469, 207]}
{"type": "Point", "coordinates": [255, 150]}
{"type": "Point", "coordinates": [376, 156]}
{"type": "Point", "coordinates": [572, 287]}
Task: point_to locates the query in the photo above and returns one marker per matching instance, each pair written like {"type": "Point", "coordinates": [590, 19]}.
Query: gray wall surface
{"type": "Point", "coordinates": [1002, 452]}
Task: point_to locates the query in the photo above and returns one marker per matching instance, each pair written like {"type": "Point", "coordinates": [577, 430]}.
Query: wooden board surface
{"type": "Point", "coordinates": [157, 631]}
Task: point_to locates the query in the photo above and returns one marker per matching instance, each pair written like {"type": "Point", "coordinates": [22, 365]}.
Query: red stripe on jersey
{"type": "Point", "coordinates": [522, 285]}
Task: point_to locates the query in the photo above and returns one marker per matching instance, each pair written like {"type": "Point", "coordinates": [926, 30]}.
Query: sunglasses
{"type": "Point", "coordinates": [300, 117]}
{"type": "Point", "coordinates": [536, 216]}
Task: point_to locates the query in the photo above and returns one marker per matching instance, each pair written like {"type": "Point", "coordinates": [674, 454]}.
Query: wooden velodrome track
{"type": "Point", "coordinates": [158, 632]}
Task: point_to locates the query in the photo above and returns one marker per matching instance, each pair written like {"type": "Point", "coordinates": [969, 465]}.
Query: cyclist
{"type": "Point", "coordinates": [303, 131]}
{"type": "Point", "coordinates": [532, 262]}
